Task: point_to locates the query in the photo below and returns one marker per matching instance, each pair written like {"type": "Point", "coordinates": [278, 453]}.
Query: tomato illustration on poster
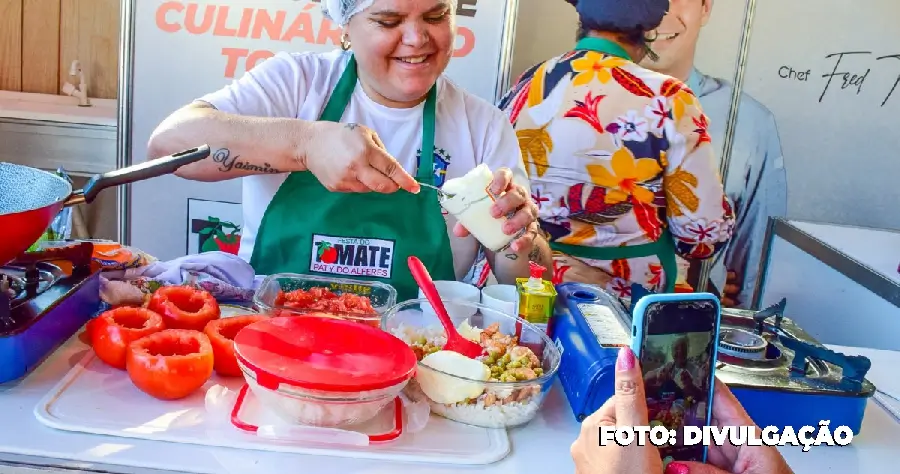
{"type": "Point", "coordinates": [213, 226]}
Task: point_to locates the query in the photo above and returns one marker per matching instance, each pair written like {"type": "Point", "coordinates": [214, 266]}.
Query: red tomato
{"type": "Point", "coordinates": [85, 335]}
{"type": "Point", "coordinates": [183, 307]}
{"type": "Point", "coordinates": [112, 332]}
{"type": "Point", "coordinates": [221, 334]}
{"type": "Point", "coordinates": [170, 364]}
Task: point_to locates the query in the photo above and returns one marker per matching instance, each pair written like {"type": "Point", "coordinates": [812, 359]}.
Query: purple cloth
{"type": "Point", "coordinates": [225, 275]}
{"type": "Point", "coordinates": [224, 267]}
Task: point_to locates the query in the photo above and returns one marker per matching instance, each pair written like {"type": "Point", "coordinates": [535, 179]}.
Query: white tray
{"type": "Point", "coordinates": [97, 399]}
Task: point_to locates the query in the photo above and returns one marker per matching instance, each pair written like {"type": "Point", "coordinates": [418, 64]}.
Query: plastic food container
{"type": "Point", "coordinates": [471, 206]}
{"type": "Point", "coordinates": [381, 295]}
{"type": "Point", "coordinates": [454, 290]}
{"type": "Point", "coordinates": [322, 371]}
{"type": "Point", "coordinates": [501, 404]}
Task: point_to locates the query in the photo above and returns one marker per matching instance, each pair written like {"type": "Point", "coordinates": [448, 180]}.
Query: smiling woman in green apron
{"type": "Point", "coordinates": [632, 179]}
{"type": "Point", "coordinates": [332, 148]}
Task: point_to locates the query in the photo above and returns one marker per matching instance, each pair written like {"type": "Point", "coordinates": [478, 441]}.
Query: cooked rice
{"type": "Point", "coordinates": [498, 415]}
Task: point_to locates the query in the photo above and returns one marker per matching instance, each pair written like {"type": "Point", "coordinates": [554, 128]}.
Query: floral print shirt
{"type": "Point", "coordinates": [617, 153]}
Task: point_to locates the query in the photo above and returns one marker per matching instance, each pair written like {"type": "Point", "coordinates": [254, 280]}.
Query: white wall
{"type": "Point", "coordinates": [841, 155]}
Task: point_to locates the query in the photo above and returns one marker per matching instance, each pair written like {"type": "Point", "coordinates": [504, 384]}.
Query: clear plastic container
{"type": "Point", "coordinates": [318, 408]}
{"type": "Point", "coordinates": [382, 296]}
{"type": "Point", "coordinates": [501, 404]}
{"type": "Point", "coordinates": [322, 371]}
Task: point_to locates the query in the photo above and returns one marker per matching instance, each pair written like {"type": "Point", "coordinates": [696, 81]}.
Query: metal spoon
{"type": "Point", "coordinates": [441, 193]}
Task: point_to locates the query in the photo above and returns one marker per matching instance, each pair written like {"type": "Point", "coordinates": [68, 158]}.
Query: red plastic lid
{"type": "Point", "coordinates": [323, 354]}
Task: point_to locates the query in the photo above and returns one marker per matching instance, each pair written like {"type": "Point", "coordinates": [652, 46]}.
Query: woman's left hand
{"type": "Point", "coordinates": [515, 203]}
{"type": "Point", "coordinates": [626, 408]}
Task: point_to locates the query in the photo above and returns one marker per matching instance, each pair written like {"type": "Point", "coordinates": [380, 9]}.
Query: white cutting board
{"type": "Point", "coordinates": [97, 399]}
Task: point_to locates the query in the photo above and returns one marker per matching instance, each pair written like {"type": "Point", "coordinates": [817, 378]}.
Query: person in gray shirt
{"type": "Point", "coordinates": [756, 181]}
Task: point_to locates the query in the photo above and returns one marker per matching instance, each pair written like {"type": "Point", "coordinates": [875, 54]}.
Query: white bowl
{"type": "Point", "coordinates": [454, 290]}
{"type": "Point", "coordinates": [505, 299]}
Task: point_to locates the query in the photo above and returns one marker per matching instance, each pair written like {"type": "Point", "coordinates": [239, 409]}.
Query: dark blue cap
{"type": "Point", "coordinates": [620, 15]}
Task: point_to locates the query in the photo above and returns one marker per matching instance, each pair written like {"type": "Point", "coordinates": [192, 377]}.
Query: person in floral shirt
{"type": "Point", "coordinates": [619, 156]}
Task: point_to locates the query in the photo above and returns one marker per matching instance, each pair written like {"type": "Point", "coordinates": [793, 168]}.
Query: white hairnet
{"type": "Point", "coordinates": [340, 11]}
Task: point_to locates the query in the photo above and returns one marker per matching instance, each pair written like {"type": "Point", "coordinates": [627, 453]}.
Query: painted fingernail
{"type": "Point", "coordinates": [677, 468]}
{"type": "Point", "coordinates": [625, 361]}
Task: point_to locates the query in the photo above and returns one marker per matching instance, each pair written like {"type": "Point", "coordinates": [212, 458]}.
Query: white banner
{"type": "Point", "coordinates": [185, 49]}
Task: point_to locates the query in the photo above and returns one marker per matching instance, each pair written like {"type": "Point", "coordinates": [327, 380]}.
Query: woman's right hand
{"type": "Point", "coordinates": [730, 459]}
{"type": "Point", "coordinates": [348, 157]}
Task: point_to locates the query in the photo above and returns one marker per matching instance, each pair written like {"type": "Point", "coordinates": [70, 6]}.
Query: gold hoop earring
{"type": "Point", "coordinates": [653, 38]}
{"type": "Point", "coordinates": [345, 42]}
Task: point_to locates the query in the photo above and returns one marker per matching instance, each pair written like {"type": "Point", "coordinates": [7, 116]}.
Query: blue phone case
{"type": "Point", "coordinates": [639, 310]}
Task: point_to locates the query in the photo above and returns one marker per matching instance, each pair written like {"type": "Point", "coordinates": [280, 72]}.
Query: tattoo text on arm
{"type": "Point", "coordinates": [351, 126]}
{"type": "Point", "coordinates": [228, 162]}
{"type": "Point", "coordinates": [535, 254]}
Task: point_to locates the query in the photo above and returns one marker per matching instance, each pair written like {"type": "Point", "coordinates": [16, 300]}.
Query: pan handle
{"type": "Point", "coordinates": [131, 174]}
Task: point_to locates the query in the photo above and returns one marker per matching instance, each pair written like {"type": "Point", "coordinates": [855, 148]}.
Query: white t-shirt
{"type": "Point", "coordinates": [469, 130]}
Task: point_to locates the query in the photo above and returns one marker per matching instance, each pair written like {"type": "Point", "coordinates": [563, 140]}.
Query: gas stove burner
{"type": "Point", "coordinates": [11, 286]}
{"type": "Point", "coordinates": [742, 344]}
{"type": "Point", "coordinates": [21, 283]}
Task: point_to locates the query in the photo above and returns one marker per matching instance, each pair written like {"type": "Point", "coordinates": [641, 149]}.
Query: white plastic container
{"type": "Point", "coordinates": [471, 205]}
{"type": "Point", "coordinates": [505, 299]}
{"type": "Point", "coordinates": [451, 291]}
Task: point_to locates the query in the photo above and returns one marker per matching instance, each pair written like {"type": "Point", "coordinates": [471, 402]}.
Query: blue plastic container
{"type": "Point", "coordinates": [822, 385]}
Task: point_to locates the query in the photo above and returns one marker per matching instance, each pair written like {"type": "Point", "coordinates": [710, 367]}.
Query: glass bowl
{"type": "Point", "coordinates": [382, 296]}
{"type": "Point", "coordinates": [319, 408]}
{"type": "Point", "coordinates": [502, 403]}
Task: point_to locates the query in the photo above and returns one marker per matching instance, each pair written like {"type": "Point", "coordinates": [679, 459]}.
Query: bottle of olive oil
{"type": "Point", "coordinates": [537, 298]}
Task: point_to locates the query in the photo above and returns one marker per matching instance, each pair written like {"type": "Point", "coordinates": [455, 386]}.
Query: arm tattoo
{"type": "Point", "coordinates": [535, 253]}
{"type": "Point", "coordinates": [351, 126]}
{"type": "Point", "coordinates": [228, 162]}
{"type": "Point", "coordinates": [512, 256]}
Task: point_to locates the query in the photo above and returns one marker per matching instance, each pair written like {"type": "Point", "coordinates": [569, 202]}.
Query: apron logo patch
{"type": "Point", "coordinates": [352, 256]}
{"type": "Point", "coordinates": [441, 163]}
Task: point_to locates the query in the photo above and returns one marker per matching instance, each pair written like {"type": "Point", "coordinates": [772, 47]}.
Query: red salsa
{"type": "Point", "coordinates": [324, 300]}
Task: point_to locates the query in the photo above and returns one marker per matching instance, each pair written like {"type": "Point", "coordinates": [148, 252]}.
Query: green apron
{"type": "Point", "coordinates": [664, 247]}
{"type": "Point", "coordinates": [363, 236]}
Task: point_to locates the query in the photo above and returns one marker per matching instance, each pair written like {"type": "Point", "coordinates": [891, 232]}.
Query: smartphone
{"type": "Point", "coordinates": [675, 338]}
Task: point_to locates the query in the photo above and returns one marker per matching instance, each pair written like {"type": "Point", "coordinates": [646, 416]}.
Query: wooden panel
{"type": "Point", "coordinates": [89, 32]}
{"type": "Point", "coordinates": [40, 46]}
{"type": "Point", "coordinates": [11, 45]}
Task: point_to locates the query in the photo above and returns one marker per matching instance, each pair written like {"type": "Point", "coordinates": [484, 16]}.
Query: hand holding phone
{"type": "Point", "coordinates": [626, 408]}
{"type": "Point", "coordinates": [675, 337]}
{"type": "Point", "coordinates": [731, 459]}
